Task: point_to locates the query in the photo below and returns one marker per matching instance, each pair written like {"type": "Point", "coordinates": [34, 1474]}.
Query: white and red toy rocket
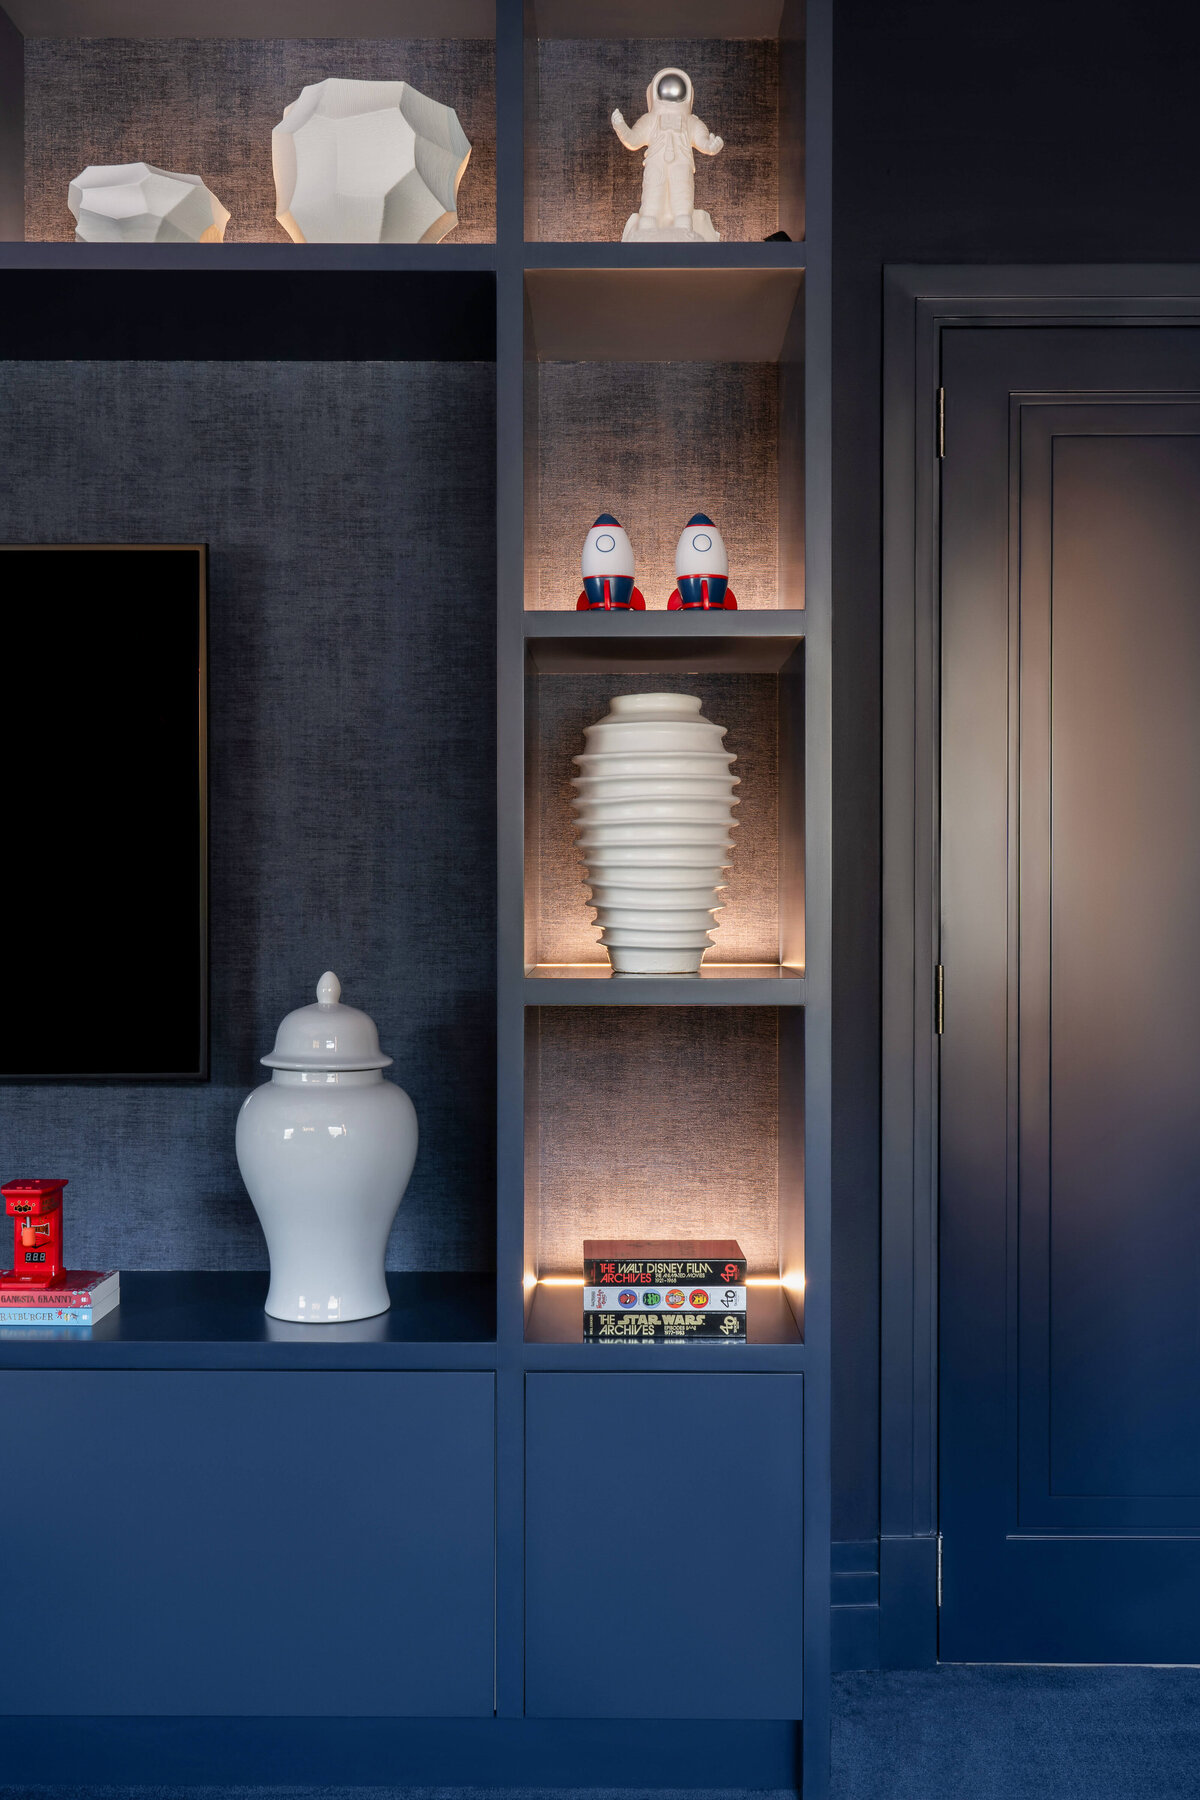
{"type": "Point", "coordinates": [607, 569]}
{"type": "Point", "coordinates": [701, 570]}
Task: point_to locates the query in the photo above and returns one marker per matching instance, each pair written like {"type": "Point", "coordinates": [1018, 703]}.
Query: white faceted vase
{"type": "Point", "coordinates": [367, 162]}
{"type": "Point", "coordinates": [135, 203]}
{"type": "Point", "coordinates": [326, 1148]}
{"type": "Point", "coordinates": [654, 813]}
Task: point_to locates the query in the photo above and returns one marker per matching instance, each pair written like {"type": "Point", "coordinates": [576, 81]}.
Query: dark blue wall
{"type": "Point", "coordinates": [1028, 132]}
{"type": "Point", "coordinates": [349, 511]}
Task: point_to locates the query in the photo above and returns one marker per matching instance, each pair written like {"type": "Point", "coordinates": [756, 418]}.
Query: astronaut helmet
{"type": "Point", "coordinates": [606, 550]}
{"type": "Point", "coordinates": [701, 549]}
{"type": "Point", "coordinates": [670, 91]}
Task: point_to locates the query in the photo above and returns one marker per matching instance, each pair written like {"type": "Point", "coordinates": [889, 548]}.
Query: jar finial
{"type": "Point", "coordinates": [329, 989]}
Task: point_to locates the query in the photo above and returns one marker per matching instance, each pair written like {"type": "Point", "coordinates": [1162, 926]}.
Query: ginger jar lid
{"type": "Point", "coordinates": [327, 1035]}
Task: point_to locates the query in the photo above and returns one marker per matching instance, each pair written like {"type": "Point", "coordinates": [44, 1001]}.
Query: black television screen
{"type": "Point", "coordinates": [104, 867]}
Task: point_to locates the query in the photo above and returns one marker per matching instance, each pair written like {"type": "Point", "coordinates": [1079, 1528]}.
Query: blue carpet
{"type": "Point", "coordinates": [1006, 1733]}
{"type": "Point", "coordinates": [953, 1733]}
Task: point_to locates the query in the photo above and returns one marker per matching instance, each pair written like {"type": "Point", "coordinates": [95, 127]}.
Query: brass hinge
{"type": "Point", "coordinates": [939, 1568]}
{"type": "Point", "coordinates": [941, 421]}
{"type": "Point", "coordinates": [939, 1000]}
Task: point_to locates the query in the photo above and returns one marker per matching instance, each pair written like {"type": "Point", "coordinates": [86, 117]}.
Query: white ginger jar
{"type": "Point", "coordinates": [654, 815]}
{"type": "Point", "coordinates": [326, 1148]}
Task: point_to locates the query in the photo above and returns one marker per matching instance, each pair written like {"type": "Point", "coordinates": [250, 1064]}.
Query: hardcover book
{"type": "Point", "coordinates": [685, 1298]}
{"type": "Point", "coordinates": [95, 1288]}
{"type": "Point", "coordinates": [663, 1328]}
{"type": "Point", "coordinates": [641, 1261]}
{"type": "Point", "coordinates": [14, 1316]}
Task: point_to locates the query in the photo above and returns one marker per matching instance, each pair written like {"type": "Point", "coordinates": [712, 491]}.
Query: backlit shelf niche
{"type": "Point", "coordinates": [664, 1122]}
{"type": "Point", "coordinates": [584, 58]}
{"type": "Point", "coordinates": [202, 93]}
{"type": "Point", "coordinates": [654, 394]}
{"type": "Point", "coordinates": [761, 924]}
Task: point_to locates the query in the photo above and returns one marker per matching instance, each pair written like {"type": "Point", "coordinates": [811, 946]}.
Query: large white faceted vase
{"type": "Point", "coordinates": [654, 810]}
{"type": "Point", "coordinates": [367, 162]}
{"type": "Point", "coordinates": [135, 203]}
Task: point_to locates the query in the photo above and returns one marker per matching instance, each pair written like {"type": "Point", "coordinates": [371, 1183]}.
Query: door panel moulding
{"type": "Point", "coordinates": [920, 303]}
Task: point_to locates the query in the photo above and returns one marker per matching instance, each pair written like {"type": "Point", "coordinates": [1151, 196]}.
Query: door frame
{"type": "Point", "coordinates": [919, 303]}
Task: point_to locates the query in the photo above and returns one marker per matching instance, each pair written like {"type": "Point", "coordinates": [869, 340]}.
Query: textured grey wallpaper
{"type": "Point", "coordinates": [748, 706]}
{"type": "Point", "coordinates": [588, 183]}
{"type": "Point", "coordinates": [206, 106]}
{"type": "Point", "coordinates": [352, 796]}
{"type": "Point", "coordinates": [653, 443]}
{"type": "Point", "coordinates": [658, 1122]}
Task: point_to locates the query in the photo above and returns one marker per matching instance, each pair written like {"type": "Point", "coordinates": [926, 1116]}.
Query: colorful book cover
{"type": "Point", "coordinates": [79, 1287]}
{"type": "Point", "coordinates": [688, 1297]}
{"type": "Point", "coordinates": [646, 1261]}
{"type": "Point", "coordinates": [663, 1328]}
{"type": "Point", "coordinates": [50, 1308]}
{"type": "Point", "coordinates": [46, 1315]}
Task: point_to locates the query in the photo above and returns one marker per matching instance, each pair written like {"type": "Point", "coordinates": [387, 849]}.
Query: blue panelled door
{"type": "Point", "coordinates": [1070, 1062]}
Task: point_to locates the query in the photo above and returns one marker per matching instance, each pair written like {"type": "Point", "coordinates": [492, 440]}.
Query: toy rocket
{"type": "Point", "coordinates": [607, 569]}
{"type": "Point", "coordinates": [701, 570]}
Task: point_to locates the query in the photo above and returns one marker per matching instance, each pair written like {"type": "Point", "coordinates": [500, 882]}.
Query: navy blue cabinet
{"type": "Point", "coordinates": [664, 1545]}
{"type": "Point", "coordinates": [249, 1543]}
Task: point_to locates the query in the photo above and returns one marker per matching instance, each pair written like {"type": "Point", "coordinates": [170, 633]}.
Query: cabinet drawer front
{"type": "Point", "coordinates": [249, 1543]}
{"type": "Point", "coordinates": [664, 1554]}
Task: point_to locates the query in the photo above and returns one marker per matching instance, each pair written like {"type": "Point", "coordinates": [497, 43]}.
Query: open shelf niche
{"type": "Point", "coordinates": [761, 925]}
{"type": "Point", "coordinates": [654, 394]}
{"type": "Point", "coordinates": [662, 1121]}
{"type": "Point", "coordinates": [295, 434]}
{"type": "Point", "coordinates": [198, 87]}
{"type": "Point", "coordinates": [585, 58]}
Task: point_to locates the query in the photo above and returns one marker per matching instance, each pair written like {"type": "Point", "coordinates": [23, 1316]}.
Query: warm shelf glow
{"type": "Point", "coordinates": [601, 971]}
{"type": "Point", "coordinates": [795, 1282]}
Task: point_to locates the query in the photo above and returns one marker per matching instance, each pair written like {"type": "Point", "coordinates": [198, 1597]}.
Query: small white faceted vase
{"type": "Point", "coordinates": [135, 203]}
{"type": "Point", "coordinates": [326, 1148]}
{"type": "Point", "coordinates": [654, 816]}
{"type": "Point", "coordinates": [367, 162]}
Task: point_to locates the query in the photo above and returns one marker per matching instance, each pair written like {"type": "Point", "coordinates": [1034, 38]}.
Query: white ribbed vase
{"type": "Point", "coordinates": [654, 810]}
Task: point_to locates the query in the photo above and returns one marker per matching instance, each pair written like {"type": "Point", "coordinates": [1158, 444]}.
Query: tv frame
{"type": "Point", "coordinates": [202, 1072]}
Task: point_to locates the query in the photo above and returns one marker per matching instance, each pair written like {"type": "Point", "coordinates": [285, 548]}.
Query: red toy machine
{"type": "Point", "coordinates": [36, 1209]}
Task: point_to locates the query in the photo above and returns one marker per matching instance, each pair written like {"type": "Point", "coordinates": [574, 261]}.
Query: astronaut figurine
{"type": "Point", "coordinates": [669, 133]}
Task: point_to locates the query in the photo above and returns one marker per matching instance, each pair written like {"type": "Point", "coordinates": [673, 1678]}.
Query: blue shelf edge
{"type": "Point", "coordinates": [725, 984]}
{"type": "Point", "coordinates": [232, 258]}
{"type": "Point", "coordinates": [753, 255]}
{"type": "Point", "coordinates": [215, 1319]}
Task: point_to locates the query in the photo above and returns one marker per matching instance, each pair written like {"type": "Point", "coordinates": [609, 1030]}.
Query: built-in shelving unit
{"type": "Point", "coordinates": [653, 381]}
{"type": "Point", "coordinates": [198, 86]}
{"type": "Point", "coordinates": [645, 379]}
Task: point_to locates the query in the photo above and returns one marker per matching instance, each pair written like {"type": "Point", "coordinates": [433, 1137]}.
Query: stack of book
{"type": "Point", "coordinates": [663, 1291]}
{"type": "Point", "coordinates": [83, 1297]}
